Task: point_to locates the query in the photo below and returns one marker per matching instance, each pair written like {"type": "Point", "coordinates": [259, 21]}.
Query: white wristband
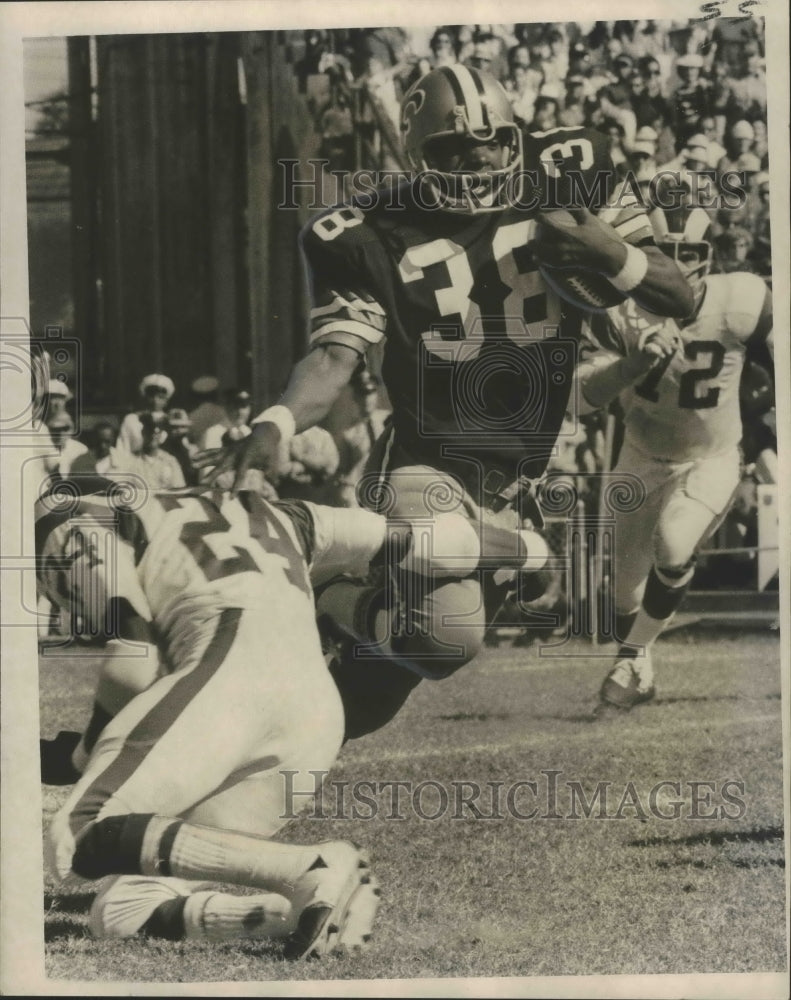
{"type": "Point", "coordinates": [632, 272]}
{"type": "Point", "coordinates": [282, 417]}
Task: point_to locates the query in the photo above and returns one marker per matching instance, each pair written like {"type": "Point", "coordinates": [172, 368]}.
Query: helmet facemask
{"type": "Point", "coordinates": [470, 191]}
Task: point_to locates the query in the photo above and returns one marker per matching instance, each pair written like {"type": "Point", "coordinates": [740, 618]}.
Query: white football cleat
{"type": "Point", "coordinates": [334, 903]}
{"type": "Point", "coordinates": [629, 683]}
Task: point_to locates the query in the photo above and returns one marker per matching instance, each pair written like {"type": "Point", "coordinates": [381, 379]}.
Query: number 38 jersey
{"type": "Point", "coordinates": [176, 552]}
{"type": "Point", "coordinates": [478, 350]}
{"type": "Point", "coordinates": [689, 408]}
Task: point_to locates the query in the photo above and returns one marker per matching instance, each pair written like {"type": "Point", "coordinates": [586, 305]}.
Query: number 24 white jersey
{"type": "Point", "coordinates": [200, 549]}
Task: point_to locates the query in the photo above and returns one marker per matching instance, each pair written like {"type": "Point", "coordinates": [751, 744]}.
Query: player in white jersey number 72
{"type": "Point", "coordinates": [678, 384]}
{"type": "Point", "coordinates": [201, 747]}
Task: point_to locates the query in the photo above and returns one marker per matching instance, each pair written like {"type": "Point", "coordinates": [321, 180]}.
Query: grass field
{"type": "Point", "coordinates": [520, 897]}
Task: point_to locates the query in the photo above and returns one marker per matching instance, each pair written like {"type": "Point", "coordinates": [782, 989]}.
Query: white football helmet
{"type": "Point", "coordinates": [684, 234]}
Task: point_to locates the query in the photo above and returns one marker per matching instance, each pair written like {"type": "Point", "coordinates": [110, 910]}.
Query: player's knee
{"type": "Point", "coordinates": [672, 550]}
{"type": "Point", "coordinates": [440, 650]}
{"type": "Point", "coordinates": [443, 631]}
{"type": "Point", "coordinates": [674, 547]}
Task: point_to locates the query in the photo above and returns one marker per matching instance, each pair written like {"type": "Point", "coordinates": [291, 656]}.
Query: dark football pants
{"type": "Point", "coordinates": [436, 627]}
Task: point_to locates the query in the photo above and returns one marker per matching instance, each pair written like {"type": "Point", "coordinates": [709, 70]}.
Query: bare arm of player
{"type": "Point", "coordinates": [604, 376]}
{"type": "Point", "coordinates": [649, 277]}
{"type": "Point", "coordinates": [315, 383]}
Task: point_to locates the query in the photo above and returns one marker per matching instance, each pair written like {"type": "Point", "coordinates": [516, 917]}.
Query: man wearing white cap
{"type": "Point", "coordinates": [692, 96]}
{"type": "Point", "coordinates": [155, 391]}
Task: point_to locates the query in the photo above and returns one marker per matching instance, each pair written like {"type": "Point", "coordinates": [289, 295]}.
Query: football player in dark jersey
{"type": "Point", "coordinates": [479, 351]}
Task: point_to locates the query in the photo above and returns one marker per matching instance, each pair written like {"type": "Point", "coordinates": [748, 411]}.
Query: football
{"type": "Point", "coordinates": [584, 289]}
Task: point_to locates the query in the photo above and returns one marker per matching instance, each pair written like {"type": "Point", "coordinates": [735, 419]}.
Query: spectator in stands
{"type": "Point", "coordinates": [317, 44]}
{"type": "Point", "coordinates": [614, 131]}
{"type": "Point", "coordinates": [157, 468]}
{"type": "Point", "coordinates": [732, 248]}
{"type": "Point", "coordinates": [761, 255]}
{"type": "Point", "coordinates": [692, 99]}
{"type": "Point", "coordinates": [738, 157]}
{"type": "Point", "coordinates": [67, 448]}
{"type": "Point", "coordinates": [708, 128]}
{"type": "Point", "coordinates": [206, 410]}
{"type": "Point", "coordinates": [178, 444]}
{"type": "Point", "coordinates": [545, 114]}
{"type": "Point", "coordinates": [643, 156]}
{"type": "Point", "coordinates": [443, 48]}
{"type": "Point", "coordinates": [580, 59]}
{"type": "Point", "coordinates": [56, 398]}
{"type": "Point", "coordinates": [238, 407]}
{"type": "Point", "coordinates": [749, 90]}
{"type": "Point", "coordinates": [336, 127]}
{"type": "Point", "coordinates": [519, 55]}
{"type": "Point", "coordinates": [695, 155]}
{"type": "Point", "coordinates": [730, 36]}
{"type": "Point", "coordinates": [615, 105]}
{"type": "Point", "coordinates": [486, 55]}
{"type": "Point", "coordinates": [557, 64]}
{"type": "Point", "coordinates": [650, 104]}
{"type": "Point", "coordinates": [761, 142]}
{"type": "Point", "coordinates": [377, 49]}
{"type": "Point", "coordinates": [523, 92]}
{"type": "Point", "coordinates": [155, 391]}
{"type": "Point", "coordinates": [358, 440]}
{"type": "Point", "coordinates": [100, 457]}
{"type": "Point", "coordinates": [621, 88]}
{"type": "Point", "coordinates": [574, 111]}
{"type": "Point", "coordinates": [722, 100]}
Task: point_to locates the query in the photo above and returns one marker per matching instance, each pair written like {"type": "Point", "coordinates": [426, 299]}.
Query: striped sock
{"type": "Point", "coordinates": [220, 916]}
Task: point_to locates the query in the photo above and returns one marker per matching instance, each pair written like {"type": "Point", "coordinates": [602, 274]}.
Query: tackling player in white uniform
{"type": "Point", "coordinates": [208, 582]}
{"type": "Point", "coordinates": [678, 384]}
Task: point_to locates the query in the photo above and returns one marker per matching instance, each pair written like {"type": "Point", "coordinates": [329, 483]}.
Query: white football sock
{"type": "Point", "coordinates": [220, 916]}
{"type": "Point", "coordinates": [200, 852]}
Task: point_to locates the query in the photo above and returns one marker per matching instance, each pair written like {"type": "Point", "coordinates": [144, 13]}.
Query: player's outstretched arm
{"type": "Point", "coordinates": [604, 376]}
{"type": "Point", "coordinates": [315, 383]}
{"type": "Point", "coordinates": [645, 274]}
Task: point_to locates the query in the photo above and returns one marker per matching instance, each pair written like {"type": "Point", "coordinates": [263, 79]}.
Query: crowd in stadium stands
{"type": "Point", "coordinates": [682, 96]}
